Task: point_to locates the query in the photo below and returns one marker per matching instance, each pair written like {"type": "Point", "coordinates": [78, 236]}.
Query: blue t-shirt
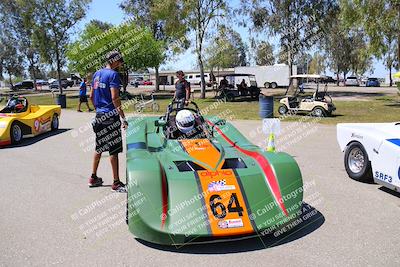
{"type": "Point", "coordinates": [103, 80]}
{"type": "Point", "coordinates": [82, 89]}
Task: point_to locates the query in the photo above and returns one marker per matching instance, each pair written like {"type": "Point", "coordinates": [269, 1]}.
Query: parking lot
{"type": "Point", "coordinates": [48, 211]}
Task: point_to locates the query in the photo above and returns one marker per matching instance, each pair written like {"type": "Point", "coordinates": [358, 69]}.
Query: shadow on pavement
{"type": "Point", "coordinates": [307, 226]}
{"type": "Point", "coordinates": [33, 140]}
{"type": "Point", "coordinates": [389, 191]}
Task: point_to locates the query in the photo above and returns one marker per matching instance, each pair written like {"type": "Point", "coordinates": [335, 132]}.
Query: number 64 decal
{"type": "Point", "coordinates": [219, 209]}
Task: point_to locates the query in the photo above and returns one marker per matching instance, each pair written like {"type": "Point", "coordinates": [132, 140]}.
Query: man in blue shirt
{"type": "Point", "coordinates": [107, 124]}
{"type": "Point", "coordinates": [83, 96]}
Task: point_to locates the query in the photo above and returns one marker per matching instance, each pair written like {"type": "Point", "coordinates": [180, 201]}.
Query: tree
{"type": "Point", "coordinates": [380, 20]}
{"type": "Point", "coordinates": [164, 18]}
{"type": "Point", "coordinates": [317, 64]}
{"type": "Point", "coordinates": [265, 54]}
{"type": "Point", "coordinates": [303, 62]}
{"type": "Point", "coordinates": [19, 17]}
{"type": "Point", "coordinates": [57, 18]}
{"type": "Point", "coordinates": [10, 58]}
{"type": "Point", "coordinates": [346, 49]}
{"type": "Point", "coordinates": [200, 14]}
{"type": "Point", "coordinates": [299, 24]}
{"type": "Point", "coordinates": [227, 50]}
{"type": "Point", "coordinates": [137, 46]}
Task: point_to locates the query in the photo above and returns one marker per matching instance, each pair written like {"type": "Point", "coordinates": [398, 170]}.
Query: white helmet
{"type": "Point", "coordinates": [185, 121]}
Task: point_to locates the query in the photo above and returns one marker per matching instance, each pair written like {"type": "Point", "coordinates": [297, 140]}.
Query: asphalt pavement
{"type": "Point", "coordinates": [49, 216]}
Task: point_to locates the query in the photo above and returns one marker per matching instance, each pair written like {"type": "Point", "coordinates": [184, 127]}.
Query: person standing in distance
{"type": "Point", "coordinates": [107, 124]}
{"type": "Point", "coordinates": [83, 96]}
{"type": "Point", "coordinates": [182, 88]}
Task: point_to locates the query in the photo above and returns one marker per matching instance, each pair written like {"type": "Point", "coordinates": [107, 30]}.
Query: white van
{"type": "Point", "coordinates": [195, 78]}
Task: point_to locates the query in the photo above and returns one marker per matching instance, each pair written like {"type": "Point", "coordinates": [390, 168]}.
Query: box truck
{"type": "Point", "coordinates": [269, 76]}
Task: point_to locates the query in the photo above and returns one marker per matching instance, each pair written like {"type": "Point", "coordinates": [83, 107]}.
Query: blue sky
{"type": "Point", "coordinates": [108, 11]}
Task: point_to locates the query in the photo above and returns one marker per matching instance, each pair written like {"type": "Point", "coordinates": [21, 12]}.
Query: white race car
{"type": "Point", "coordinates": [372, 151]}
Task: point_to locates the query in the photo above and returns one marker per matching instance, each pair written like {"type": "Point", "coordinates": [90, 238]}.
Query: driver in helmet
{"type": "Point", "coordinates": [185, 122]}
{"type": "Point", "coordinates": [15, 104]}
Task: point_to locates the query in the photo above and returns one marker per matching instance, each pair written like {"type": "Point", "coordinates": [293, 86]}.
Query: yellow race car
{"type": "Point", "coordinates": [19, 119]}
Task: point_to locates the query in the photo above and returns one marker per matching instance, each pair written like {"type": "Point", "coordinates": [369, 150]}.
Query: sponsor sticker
{"type": "Point", "coordinates": [37, 125]}
{"type": "Point", "coordinates": [357, 136]}
{"type": "Point", "coordinates": [217, 186]}
{"type": "Point", "coordinates": [231, 223]}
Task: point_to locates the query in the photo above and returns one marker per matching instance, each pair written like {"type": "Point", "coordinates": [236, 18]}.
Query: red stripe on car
{"type": "Point", "coordinates": [265, 166]}
{"type": "Point", "coordinates": [164, 196]}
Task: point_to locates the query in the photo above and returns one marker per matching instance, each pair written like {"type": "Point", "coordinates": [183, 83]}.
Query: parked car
{"type": "Point", "coordinates": [363, 81]}
{"type": "Point", "coordinates": [352, 81]}
{"type": "Point", "coordinates": [41, 82]}
{"type": "Point", "coordinates": [64, 84]}
{"type": "Point", "coordinates": [69, 82]}
{"type": "Point", "coordinates": [23, 85]}
{"type": "Point", "coordinates": [196, 78]}
{"type": "Point", "coordinates": [134, 83]}
{"type": "Point", "coordinates": [373, 82]}
{"type": "Point", "coordinates": [329, 79]}
{"type": "Point", "coordinates": [147, 83]}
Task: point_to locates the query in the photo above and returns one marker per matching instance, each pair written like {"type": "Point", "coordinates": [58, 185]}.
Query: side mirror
{"type": "Point", "coordinates": [160, 123]}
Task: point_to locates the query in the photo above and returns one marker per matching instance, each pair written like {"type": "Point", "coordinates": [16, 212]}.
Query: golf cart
{"type": "Point", "coordinates": [319, 104]}
{"type": "Point", "coordinates": [233, 88]}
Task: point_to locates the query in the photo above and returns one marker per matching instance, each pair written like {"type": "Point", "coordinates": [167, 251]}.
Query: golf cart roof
{"type": "Point", "coordinates": [309, 76]}
{"type": "Point", "coordinates": [235, 75]}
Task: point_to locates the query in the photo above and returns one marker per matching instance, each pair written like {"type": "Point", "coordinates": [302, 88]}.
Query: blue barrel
{"type": "Point", "coordinates": [62, 101]}
{"type": "Point", "coordinates": [266, 106]}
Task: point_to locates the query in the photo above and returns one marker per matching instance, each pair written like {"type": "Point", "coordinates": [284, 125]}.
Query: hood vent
{"type": "Point", "coordinates": [190, 166]}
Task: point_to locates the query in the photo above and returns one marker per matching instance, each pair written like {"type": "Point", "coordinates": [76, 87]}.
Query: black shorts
{"type": "Point", "coordinates": [83, 98]}
{"type": "Point", "coordinates": [108, 134]}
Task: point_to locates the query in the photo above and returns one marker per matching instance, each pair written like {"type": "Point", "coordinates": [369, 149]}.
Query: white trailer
{"type": "Point", "coordinates": [269, 76]}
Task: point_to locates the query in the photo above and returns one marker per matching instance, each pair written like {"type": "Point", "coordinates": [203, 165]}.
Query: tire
{"type": "Point", "coordinates": [155, 107]}
{"type": "Point", "coordinates": [229, 97]}
{"type": "Point", "coordinates": [318, 112]}
{"type": "Point", "coordinates": [356, 163]}
{"type": "Point", "coordinates": [138, 107]}
{"type": "Point", "coordinates": [16, 133]}
{"type": "Point", "coordinates": [283, 110]}
{"type": "Point", "coordinates": [274, 85]}
{"type": "Point", "coordinates": [55, 122]}
{"type": "Point", "coordinates": [267, 84]}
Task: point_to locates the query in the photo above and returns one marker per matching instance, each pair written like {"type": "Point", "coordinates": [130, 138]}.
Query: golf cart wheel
{"type": "Point", "coordinates": [229, 97]}
{"type": "Point", "coordinates": [155, 107]}
{"type": "Point", "coordinates": [16, 133]}
{"type": "Point", "coordinates": [357, 163]}
{"type": "Point", "coordinates": [282, 109]}
{"type": "Point", "coordinates": [54, 122]}
{"type": "Point", "coordinates": [274, 85]}
{"type": "Point", "coordinates": [267, 84]}
{"type": "Point", "coordinates": [318, 112]}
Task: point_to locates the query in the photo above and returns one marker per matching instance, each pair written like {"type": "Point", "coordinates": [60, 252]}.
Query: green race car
{"type": "Point", "coordinates": [207, 184]}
